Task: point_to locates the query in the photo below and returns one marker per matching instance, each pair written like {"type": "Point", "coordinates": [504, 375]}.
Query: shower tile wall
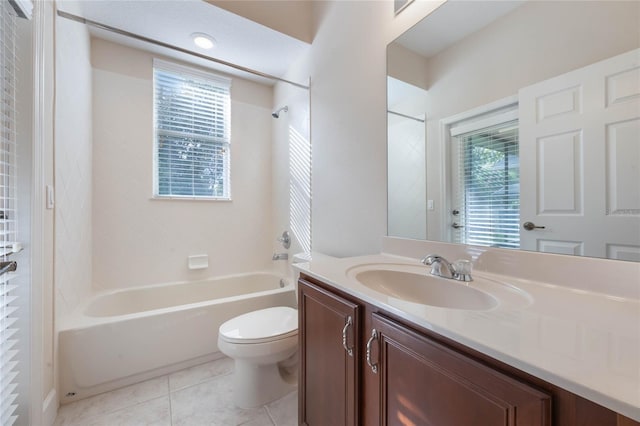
{"type": "Point", "coordinates": [407, 180]}
{"type": "Point", "coordinates": [73, 166]}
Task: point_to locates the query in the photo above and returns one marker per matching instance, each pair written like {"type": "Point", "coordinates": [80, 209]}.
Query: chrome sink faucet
{"type": "Point", "coordinates": [441, 267]}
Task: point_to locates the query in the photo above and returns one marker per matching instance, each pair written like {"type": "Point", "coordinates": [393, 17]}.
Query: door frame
{"type": "Point", "coordinates": [43, 408]}
{"type": "Point", "coordinates": [446, 172]}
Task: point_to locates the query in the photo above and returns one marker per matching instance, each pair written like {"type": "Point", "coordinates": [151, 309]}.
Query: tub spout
{"type": "Point", "coordinates": [280, 256]}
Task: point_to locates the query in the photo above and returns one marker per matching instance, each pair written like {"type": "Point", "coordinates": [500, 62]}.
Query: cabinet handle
{"type": "Point", "coordinates": [344, 337]}
{"type": "Point", "coordinates": [374, 336]}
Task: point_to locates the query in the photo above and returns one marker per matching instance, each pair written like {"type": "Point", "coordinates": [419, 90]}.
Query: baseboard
{"type": "Point", "coordinates": [137, 378]}
{"type": "Point", "coordinates": [50, 408]}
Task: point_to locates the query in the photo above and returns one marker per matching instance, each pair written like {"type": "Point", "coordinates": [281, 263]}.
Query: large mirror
{"type": "Point", "coordinates": [517, 124]}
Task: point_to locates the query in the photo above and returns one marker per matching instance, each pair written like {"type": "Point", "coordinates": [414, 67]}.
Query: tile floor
{"type": "Point", "coordinates": [196, 396]}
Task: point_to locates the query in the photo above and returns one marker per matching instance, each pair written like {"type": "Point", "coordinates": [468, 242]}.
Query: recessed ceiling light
{"type": "Point", "coordinates": [204, 41]}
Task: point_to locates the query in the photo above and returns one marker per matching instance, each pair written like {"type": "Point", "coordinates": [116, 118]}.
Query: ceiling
{"type": "Point", "coordinates": [239, 40]}
{"type": "Point", "coordinates": [451, 22]}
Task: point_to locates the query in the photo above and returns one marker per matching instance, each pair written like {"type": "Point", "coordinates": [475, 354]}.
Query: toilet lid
{"type": "Point", "coordinates": [261, 326]}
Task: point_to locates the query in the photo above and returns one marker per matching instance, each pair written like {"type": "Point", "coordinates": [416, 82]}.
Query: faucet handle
{"type": "Point", "coordinates": [285, 239]}
{"type": "Point", "coordinates": [430, 259]}
{"type": "Point", "coordinates": [440, 267]}
{"type": "Point", "coordinates": [462, 268]}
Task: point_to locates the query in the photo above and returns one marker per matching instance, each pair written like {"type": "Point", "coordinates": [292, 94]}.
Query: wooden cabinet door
{"type": "Point", "coordinates": [424, 383]}
{"type": "Point", "coordinates": [328, 327]}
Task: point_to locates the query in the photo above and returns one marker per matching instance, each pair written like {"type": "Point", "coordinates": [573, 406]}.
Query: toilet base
{"type": "Point", "coordinates": [255, 385]}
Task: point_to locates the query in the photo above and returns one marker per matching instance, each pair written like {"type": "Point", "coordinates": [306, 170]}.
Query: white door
{"type": "Point", "coordinates": [580, 161]}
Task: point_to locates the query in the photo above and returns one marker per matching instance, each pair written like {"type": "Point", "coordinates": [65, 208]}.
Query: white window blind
{"type": "Point", "coordinates": [9, 368]}
{"type": "Point", "coordinates": [192, 133]}
{"type": "Point", "coordinates": [488, 196]}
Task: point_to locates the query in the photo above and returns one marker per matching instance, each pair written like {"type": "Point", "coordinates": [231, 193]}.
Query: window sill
{"type": "Point", "coordinates": [187, 198]}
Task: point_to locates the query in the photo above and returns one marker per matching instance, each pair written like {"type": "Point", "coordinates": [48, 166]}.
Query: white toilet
{"type": "Point", "coordinates": [263, 344]}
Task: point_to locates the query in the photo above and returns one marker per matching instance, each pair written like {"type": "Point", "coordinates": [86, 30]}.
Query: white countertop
{"type": "Point", "coordinates": [583, 341]}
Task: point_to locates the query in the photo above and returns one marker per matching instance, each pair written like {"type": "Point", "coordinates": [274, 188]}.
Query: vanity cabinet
{"type": "Point", "coordinates": [328, 332]}
{"type": "Point", "coordinates": [424, 383]}
{"type": "Point", "coordinates": [360, 365]}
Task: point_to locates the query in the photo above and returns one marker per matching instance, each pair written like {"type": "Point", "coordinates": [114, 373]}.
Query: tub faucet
{"type": "Point", "coordinates": [441, 267]}
{"type": "Point", "coordinates": [280, 256]}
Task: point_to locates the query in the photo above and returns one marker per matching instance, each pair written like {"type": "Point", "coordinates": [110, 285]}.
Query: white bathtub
{"type": "Point", "coordinates": [125, 336]}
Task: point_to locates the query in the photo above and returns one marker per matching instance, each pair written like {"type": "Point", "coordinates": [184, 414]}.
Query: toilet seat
{"type": "Point", "coordinates": [264, 325]}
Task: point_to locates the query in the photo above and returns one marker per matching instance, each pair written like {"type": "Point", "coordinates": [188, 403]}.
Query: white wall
{"type": "Point", "coordinates": [348, 122]}
{"type": "Point", "coordinates": [291, 167]}
{"type": "Point", "coordinates": [73, 168]}
{"type": "Point", "coordinates": [348, 129]}
{"type": "Point", "coordinates": [514, 52]}
{"type": "Point", "coordinates": [138, 240]}
{"type": "Point", "coordinates": [291, 17]}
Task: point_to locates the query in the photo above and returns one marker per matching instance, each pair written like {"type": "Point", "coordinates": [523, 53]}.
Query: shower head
{"type": "Point", "coordinates": [276, 114]}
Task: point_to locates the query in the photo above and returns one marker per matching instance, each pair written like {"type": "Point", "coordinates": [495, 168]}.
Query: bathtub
{"type": "Point", "coordinates": [124, 336]}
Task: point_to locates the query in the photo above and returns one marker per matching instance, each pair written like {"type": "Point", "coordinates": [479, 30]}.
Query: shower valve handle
{"type": "Point", "coordinates": [285, 239]}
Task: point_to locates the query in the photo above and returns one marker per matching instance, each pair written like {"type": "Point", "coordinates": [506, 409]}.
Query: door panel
{"type": "Point", "coordinates": [575, 248]}
{"type": "Point", "coordinates": [328, 374]}
{"type": "Point", "coordinates": [623, 151]}
{"type": "Point", "coordinates": [560, 174]}
{"type": "Point", "coordinates": [424, 383]}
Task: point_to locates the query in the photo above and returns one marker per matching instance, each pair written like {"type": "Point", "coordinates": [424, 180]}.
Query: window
{"type": "Point", "coordinates": [488, 188]}
{"type": "Point", "coordinates": [192, 133]}
{"type": "Point", "coordinates": [13, 328]}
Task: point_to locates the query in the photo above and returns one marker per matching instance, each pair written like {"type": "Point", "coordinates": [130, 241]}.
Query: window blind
{"type": "Point", "coordinates": [489, 186]}
{"type": "Point", "coordinates": [8, 296]}
{"type": "Point", "coordinates": [192, 133]}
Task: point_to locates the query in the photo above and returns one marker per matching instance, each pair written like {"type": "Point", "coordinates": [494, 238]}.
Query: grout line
{"type": "Point", "coordinates": [170, 409]}
{"type": "Point", "coordinates": [97, 397]}
{"type": "Point", "coordinates": [100, 416]}
{"type": "Point", "coordinates": [201, 381]}
{"type": "Point", "coordinates": [264, 407]}
{"type": "Point", "coordinates": [217, 376]}
{"type": "Point", "coordinates": [270, 415]}
{"type": "Point", "coordinates": [169, 398]}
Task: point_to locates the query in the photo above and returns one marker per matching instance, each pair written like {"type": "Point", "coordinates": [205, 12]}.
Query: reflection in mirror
{"type": "Point", "coordinates": [517, 125]}
{"type": "Point", "coordinates": [406, 160]}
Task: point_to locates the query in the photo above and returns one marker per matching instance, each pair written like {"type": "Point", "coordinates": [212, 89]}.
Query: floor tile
{"type": "Point", "coordinates": [156, 412]}
{"type": "Point", "coordinates": [200, 373]}
{"type": "Point", "coordinates": [210, 403]}
{"type": "Point", "coordinates": [284, 412]}
{"type": "Point", "coordinates": [261, 420]}
{"type": "Point", "coordinates": [75, 412]}
{"type": "Point", "coordinates": [200, 395]}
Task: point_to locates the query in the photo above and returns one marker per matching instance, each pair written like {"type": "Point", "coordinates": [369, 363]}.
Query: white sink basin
{"type": "Point", "coordinates": [414, 284]}
{"type": "Point", "coordinates": [427, 289]}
